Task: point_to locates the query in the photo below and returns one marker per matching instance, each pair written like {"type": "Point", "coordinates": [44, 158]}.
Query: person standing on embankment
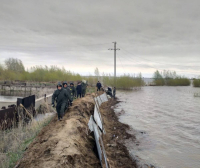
{"type": "Point", "coordinates": [62, 96]}
{"type": "Point", "coordinates": [73, 90]}
{"type": "Point", "coordinates": [79, 90]}
{"type": "Point", "coordinates": [98, 85]}
{"type": "Point", "coordinates": [67, 88]}
{"type": "Point", "coordinates": [84, 86]}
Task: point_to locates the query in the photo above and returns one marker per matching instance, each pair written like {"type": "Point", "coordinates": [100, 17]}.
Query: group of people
{"type": "Point", "coordinates": [108, 92]}
{"type": "Point", "coordinates": [65, 94]}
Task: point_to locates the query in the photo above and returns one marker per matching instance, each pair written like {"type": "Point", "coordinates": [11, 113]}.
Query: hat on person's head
{"type": "Point", "coordinates": [59, 84]}
{"type": "Point", "coordinates": [71, 83]}
{"type": "Point", "coordinates": [64, 83]}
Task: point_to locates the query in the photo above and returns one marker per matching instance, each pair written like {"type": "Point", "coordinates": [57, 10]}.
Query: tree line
{"type": "Point", "coordinates": [125, 81]}
{"type": "Point", "coordinates": [13, 69]}
{"type": "Point", "coordinates": [170, 78]}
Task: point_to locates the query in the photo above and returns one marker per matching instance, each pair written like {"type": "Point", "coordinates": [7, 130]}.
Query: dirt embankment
{"type": "Point", "coordinates": [115, 137]}
{"type": "Point", "coordinates": [68, 143]}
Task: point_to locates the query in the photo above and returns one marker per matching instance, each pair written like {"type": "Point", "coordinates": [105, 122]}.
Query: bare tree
{"type": "Point", "coordinates": [96, 72]}
{"type": "Point", "coordinates": [14, 64]}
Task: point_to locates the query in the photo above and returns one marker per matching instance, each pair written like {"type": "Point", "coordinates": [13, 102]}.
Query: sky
{"type": "Point", "coordinates": [151, 35]}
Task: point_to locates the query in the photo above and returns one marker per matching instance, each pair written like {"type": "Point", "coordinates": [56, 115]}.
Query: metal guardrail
{"type": "Point", "coordinates": [96, 125]}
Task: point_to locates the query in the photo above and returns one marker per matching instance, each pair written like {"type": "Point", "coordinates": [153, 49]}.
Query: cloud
{"type": "Point", "coordinates": [77, 34]}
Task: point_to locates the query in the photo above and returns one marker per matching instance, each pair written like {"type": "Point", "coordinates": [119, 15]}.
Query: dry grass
{"type": "Point", "coordinates": [14, 142]}
{"type": "Point", "coordinates": [91, 89]}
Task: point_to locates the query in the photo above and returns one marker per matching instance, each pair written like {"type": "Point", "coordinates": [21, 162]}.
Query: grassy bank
{"type": "Point", "coordinates": [91, 89]}
{"type": "Point", "coordinates": [14, 142]}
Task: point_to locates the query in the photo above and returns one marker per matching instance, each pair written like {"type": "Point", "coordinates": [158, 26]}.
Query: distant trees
{"type": "Point", "coordinates": [158, 79]}
{"type": "Point", "coordinates": [170, 78]}
{"type": "Point", "coordinates": [14, 70]}
{"type": "Point", "coordinates": [196, 83]}
{"type": "Point", "coordinates": [14, 64]}
{"type": "Point", "coordinates": [1, 71]}
{"type": "Point", "coordinates": [97, 73]}
{"type": "Point", "coordinates": [52, 73]}
{"type": "Point", "coordinates": [125, 81]}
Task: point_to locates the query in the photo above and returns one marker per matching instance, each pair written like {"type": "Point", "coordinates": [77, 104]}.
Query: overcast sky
{"type": "Point", "coordinates": [76, 34]}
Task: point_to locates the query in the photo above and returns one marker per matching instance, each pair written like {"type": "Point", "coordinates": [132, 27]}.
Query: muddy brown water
{"type": "Point", "coordinates": [166, 122]}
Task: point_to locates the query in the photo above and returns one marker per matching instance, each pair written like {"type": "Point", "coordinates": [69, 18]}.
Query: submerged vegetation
{"type": "Point", "coordinates": [196, 83]}
{"type": "Point", "coordinates": [14, 70]}
{"type": "Point", "coordinates": [169, 78]}
{"type": "Point", "coordinates": [125, 81]}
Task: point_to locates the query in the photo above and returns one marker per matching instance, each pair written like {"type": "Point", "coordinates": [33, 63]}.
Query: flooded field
{"type": "Point", "coordinates": [166, 121]}
{"type": "Point", "coordinates": [8, 98]}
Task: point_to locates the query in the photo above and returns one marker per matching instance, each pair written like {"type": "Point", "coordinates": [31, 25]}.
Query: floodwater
{"type": "Point", "coordinates": [166, 121]}
{"type": "Point", "coordinates": [8, 98]}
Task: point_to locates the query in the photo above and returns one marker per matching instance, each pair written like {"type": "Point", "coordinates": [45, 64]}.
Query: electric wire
{"type": "Point", "coordinates": [121, 64]}
{"type": "Point", "coordinates": [153, 67]}
{"type": "Point", "coordinates": [158, 62]}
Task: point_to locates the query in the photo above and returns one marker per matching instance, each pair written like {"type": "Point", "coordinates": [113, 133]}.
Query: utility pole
{"type": "Point", "coordinates": [115, 49]}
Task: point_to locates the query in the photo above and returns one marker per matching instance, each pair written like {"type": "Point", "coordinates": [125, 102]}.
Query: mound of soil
{"type": "Point", "coordinates": [68, 143]}
{"type": "Point", "coordinates": [115, 137]}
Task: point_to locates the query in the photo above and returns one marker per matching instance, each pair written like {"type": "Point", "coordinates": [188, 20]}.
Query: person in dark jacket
{"type": "Point", "coordinates": [79, 90]}
{"type": "Point", "coordinates": [109, 91]}
{"type": "Point", "coordinates": [73, 90]}
{"type": "Point", "coordinates": [62, 96]}
{"type": "Point", "coordinates": [84, 86]}
{"type": "Point", "coordinates": [98, 85]}
{"type": "Point", "coordinates": [67, 88]}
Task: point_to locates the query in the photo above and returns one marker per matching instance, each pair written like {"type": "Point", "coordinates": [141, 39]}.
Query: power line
{"type": "Point", "coordinates": [159, 62]}
{"type": "Point", "coordinates": [156, 68]}
{"type": "Point", "coordinates": [121, 64]}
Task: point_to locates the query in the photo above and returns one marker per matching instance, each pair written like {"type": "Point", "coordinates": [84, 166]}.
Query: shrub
{"type": "Point", "coordinates": [169, 78]}
{"type": "Point", "coordinates": [196, 83]}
